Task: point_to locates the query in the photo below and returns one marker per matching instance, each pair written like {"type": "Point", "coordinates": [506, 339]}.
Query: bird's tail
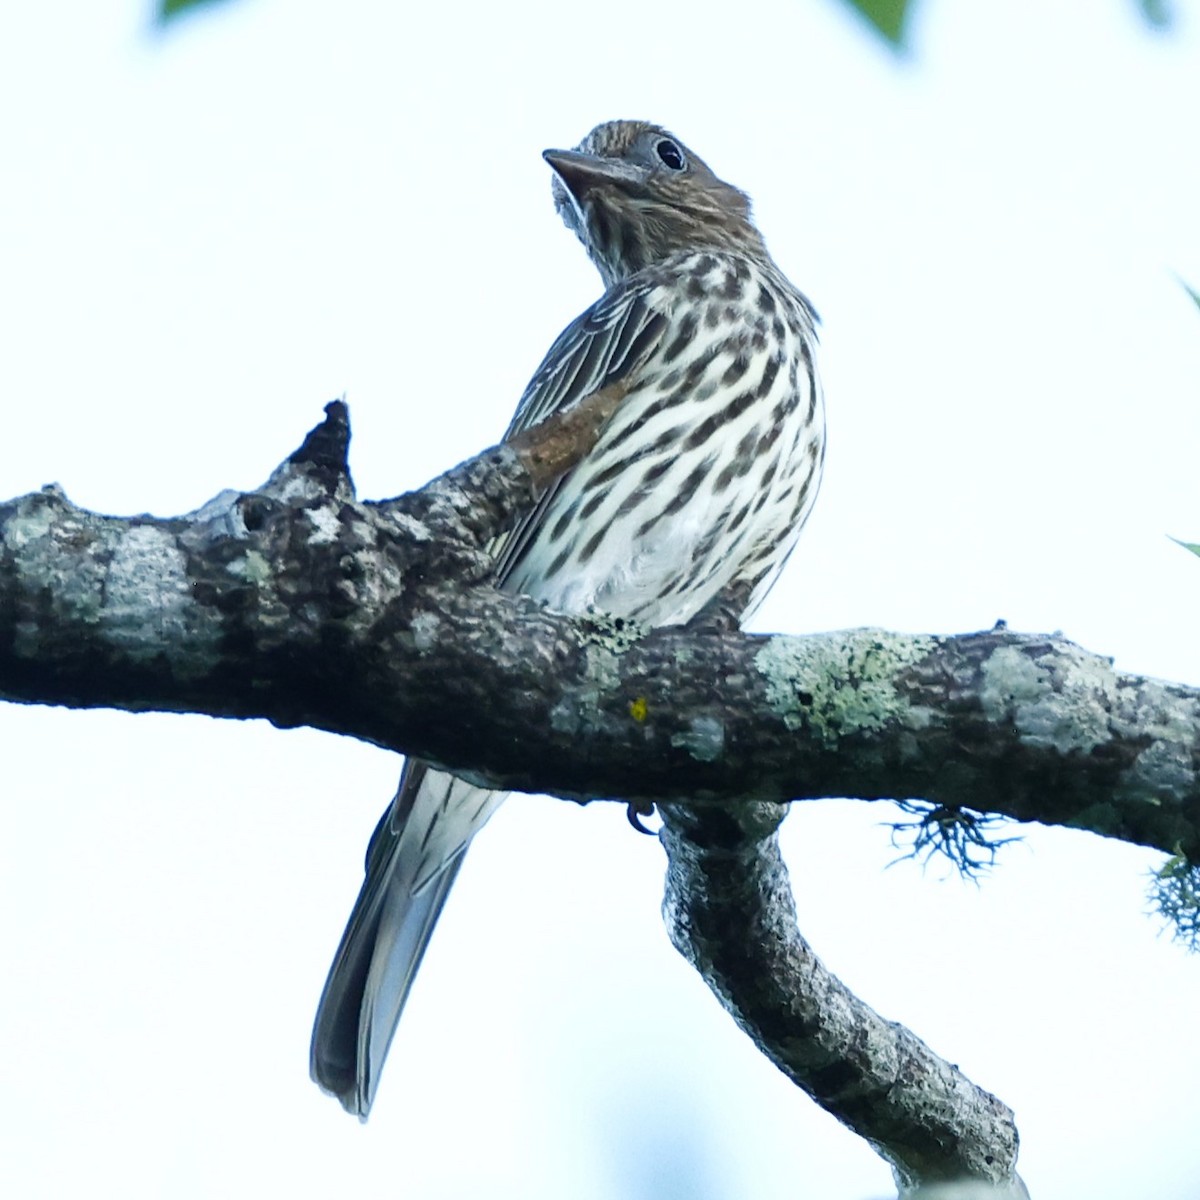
{"type": "Point", "coordinates": [412, 862]}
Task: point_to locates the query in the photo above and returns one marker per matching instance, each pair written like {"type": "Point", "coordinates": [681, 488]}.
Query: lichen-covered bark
{"type": "Point", "coordinates": [301, 604]}
{"type": "Point", "coordinates": [730, 913]}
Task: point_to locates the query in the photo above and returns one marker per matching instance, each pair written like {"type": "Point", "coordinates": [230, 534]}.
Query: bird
{"type": "Point", "coordinates": [692, 497]}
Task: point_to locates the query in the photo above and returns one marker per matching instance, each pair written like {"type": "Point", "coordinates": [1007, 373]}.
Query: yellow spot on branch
{"type": "Point", "coordinates": [638, 709]}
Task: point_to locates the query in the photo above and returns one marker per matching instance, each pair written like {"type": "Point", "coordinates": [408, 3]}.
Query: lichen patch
{"type": "Point", "coordinates": [704, 739]}
{"type": "Point", "coordinates": [1062, 701]}
{"type": "Point", "coordinates": [325, 523]}
{"type": "Point", "coordinates": [841, 683]}
{"type": "Point", "coordinates": [147, 591]}
{"type": "Point", "coordinates": [426, 629]}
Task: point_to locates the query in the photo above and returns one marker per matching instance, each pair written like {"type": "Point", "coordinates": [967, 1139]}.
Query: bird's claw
{"type": "Point", "coordinates": [634, 814]}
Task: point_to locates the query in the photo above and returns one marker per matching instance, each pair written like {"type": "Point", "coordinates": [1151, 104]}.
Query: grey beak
{"type": "Point", "coordinates": [580, 173]}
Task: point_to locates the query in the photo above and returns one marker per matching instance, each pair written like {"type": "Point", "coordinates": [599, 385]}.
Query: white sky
{"type": "Point", "coordinates": [206, 235]}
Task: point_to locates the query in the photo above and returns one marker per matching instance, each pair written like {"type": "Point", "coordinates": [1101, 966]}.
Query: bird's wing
{"type": "Point", "coordinates": [606, 343]}
{"type": "Point", "coordinates": [418, 845]}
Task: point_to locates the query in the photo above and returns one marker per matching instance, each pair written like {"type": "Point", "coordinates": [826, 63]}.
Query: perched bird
{"type": "Point", "coordinates": [695, 491]}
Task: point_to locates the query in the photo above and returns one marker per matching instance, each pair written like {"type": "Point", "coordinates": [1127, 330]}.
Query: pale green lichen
{"type": "Point", "coordinates": [564, 718]}
{"type": "Point", "coordinates": [54, 552]}
{"type": "Point", "coordinates": [605, 639]}
{"type": "Point", "coordinates": [252, 567]}
{"type": "Point", "coordinates": [32, 522]}
{"type": "Point", "coordinates": [1164, 769]}
{"type": "Point", "coordinates": [841, 683]}
{"type": "Point", "coordinates": [1010, 676]}
{"type": "Point", "coordinates": [614, 635]}
{"type": "Point", "coordinates": [326, 525]}
{"type": "Point", "coordinates": [416, 530]}
{"type": "Point", "coordinates": [1060, 701]}
{"type": "Point", "coordinates": [704, 739]}
{"type": "Point", "coordinates": [149, 610]}
{"type": "Point", "coordinates": [426, 629]}
{"type": "Point", "coordinates": [603, 666]}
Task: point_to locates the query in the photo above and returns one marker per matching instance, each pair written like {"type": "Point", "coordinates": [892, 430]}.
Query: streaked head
{"type": "Point", "coordinates": [635, 194]}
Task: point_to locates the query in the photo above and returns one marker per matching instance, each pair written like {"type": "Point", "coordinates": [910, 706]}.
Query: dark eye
{"type": "Point", "coordinates": [670, 155]}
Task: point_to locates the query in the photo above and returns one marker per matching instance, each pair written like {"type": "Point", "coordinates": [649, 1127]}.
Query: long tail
{"type": "Point", "coordinates": [412, 862]}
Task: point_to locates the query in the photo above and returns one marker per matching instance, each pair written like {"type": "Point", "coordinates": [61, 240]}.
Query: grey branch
{"type": "Point", "coordinates": [301, 604]}
{"type": "Point", "coordinates": [729, 911]}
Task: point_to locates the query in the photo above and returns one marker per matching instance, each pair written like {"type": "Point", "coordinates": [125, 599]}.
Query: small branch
{"type": "Point", "coordinates": [327, 446]}
{"type": "Point", "coordinates": [729, 911]}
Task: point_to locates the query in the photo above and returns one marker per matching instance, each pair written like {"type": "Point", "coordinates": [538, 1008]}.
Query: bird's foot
{"type": "Point", "coordinates": [723, 613]}
{"type": "Point", "coordinates": [635, 812]}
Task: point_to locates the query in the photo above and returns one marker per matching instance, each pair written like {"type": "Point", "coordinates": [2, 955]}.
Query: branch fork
{"type": "Point", "coordinates": [301, 604]}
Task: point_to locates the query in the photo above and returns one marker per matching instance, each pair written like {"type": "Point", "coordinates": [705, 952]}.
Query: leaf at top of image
{"type": "Point", "coordinates": [1194, 547]}
{"type": "Point", "coordinates": [168, 10]}
{"type": "Point", "coordinates": [1157, 14]}
{"type": "Point", "coordinates": [888, 17]}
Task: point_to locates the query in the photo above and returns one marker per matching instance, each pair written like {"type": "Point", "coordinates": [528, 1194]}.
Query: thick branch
{"type": "Point", "coordinates": [730, 913]}
{"type": "Point", "coordinates": [302, 605]}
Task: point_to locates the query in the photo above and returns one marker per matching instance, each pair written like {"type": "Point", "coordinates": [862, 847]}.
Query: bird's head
{"type": "Point", "coordinates": [635, 194]}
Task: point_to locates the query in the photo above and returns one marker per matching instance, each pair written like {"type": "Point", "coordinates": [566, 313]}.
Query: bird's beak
{"type": "Point", "coordinates": [581, 173]}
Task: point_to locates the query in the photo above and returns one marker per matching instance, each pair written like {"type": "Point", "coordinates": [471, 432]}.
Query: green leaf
{"type": "Point", "coordinates": [1191, 291]}
{"type": "Point", "coordinates": [887, 16]}
{"type": "Point", "coordinates": [168, 10]}
{"type": "Point", "coordinates": [1157, 13]}
{"type": "Point", "coordinates": [1194, 547]}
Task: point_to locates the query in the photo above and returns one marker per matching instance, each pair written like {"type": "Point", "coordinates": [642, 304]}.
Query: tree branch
{"type": "Point", "coordinates": [301, 604]}
{"type": "Point", "coordinates": [729, 911]}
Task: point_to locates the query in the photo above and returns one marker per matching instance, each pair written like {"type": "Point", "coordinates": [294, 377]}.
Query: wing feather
{"type": "Point", "coordinates": [410, 867]}
{"type": "Point", "coordinates": [606, 343]}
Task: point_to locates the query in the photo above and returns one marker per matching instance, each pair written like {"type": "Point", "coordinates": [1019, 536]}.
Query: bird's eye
{"type": "Point", "coordinates": [670, 155]}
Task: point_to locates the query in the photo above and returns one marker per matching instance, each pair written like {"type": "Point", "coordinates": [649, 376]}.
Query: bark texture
{"type": "Point", "coordinates": [730, 913]}
{"type": "Point", "coordinates": [303, 605]}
